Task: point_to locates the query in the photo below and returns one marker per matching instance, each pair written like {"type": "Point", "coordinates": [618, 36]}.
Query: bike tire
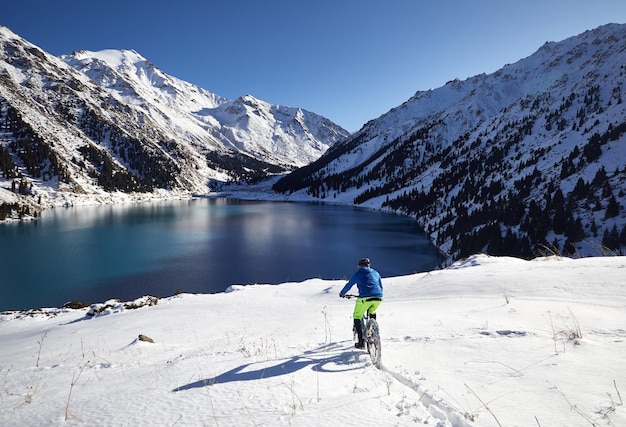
{"type": "Point", "coordinates": [373, 343]}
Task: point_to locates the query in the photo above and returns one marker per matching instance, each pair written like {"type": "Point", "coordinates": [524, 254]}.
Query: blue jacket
{"type": "Point", "coordinates": [368, 281]}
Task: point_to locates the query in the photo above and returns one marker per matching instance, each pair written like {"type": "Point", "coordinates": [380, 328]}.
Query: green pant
{"type": "Point", "coordinates": [368, 304]}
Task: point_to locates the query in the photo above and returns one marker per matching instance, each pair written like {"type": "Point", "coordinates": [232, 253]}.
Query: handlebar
{"type": "Point", "coordinates": [348, 296]}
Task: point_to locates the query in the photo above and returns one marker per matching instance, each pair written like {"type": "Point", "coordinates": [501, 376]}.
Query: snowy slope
{"type": "Point", "coordinates": [486, 342]}
{"type": "Point", "coordinates": [463, 158]}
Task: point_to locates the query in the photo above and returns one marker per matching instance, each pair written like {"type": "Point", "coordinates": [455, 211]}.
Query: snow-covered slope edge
{"type": "Point", "coordinates": [486, 342]}
{"type": "Point", "coordinates": [529, 157]}
{"type": "Point", "coordinates": [116, 126]}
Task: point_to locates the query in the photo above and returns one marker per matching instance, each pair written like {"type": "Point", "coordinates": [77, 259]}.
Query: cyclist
{"type": "Point", "coordinates": [370, 295]}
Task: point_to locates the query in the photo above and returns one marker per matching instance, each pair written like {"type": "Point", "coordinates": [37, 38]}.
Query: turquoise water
{"type": "Point", "coordinates": [92, 254]}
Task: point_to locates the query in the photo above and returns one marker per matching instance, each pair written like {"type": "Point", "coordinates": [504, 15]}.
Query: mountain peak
{"type": "Point", "coordinates": [117, 59]}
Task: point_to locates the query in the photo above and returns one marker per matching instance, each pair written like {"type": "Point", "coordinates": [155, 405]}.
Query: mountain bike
{"type": "Point", "coordinates": [371, 336]}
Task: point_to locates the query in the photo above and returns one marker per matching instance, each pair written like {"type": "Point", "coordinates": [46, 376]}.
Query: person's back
{"type": "Point", "coordinates": [368, 282]}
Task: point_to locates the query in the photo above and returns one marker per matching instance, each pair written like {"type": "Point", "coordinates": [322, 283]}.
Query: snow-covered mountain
{"type": "Point", "coordinates": [531, 157]}
{"type": "Point", "coordinates": [275, 134]}
{"type": "Point", "coordinates": [100, 125]}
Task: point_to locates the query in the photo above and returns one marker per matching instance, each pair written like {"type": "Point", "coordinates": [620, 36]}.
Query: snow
{"type": "Point", "coordinates": [486, 342]}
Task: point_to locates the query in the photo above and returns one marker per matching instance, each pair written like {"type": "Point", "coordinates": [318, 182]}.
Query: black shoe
{"type": "Point", "coordinates": [359, 345]}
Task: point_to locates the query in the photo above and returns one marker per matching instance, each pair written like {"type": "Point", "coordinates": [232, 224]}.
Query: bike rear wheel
{"type": "Point", "coordinates": [373, 342]}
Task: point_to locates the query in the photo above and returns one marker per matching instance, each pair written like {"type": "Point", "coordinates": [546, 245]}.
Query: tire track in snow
{"type": "Point", "coordinates": [438, 408]}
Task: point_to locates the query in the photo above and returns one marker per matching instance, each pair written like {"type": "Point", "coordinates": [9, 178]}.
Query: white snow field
{"type": "Point", "coordinates": [485, 342]}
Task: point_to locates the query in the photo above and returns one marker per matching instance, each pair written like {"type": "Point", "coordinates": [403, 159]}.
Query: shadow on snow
{"type": "Point", "coordinates": [327, 358]}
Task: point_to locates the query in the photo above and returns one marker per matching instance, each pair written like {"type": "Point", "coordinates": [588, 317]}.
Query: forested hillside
{"type": "Point", "coordinates": [527, 160]}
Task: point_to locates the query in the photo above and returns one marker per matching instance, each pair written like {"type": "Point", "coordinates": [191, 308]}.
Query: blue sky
{"type": "Point", "coordinates": [350, 61]}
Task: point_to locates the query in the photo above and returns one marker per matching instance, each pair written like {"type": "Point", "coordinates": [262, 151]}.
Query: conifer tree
{"type": "Point", "coordinates": [612, 210]}
{"type": "Point", "coordinates": [610, 240]}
